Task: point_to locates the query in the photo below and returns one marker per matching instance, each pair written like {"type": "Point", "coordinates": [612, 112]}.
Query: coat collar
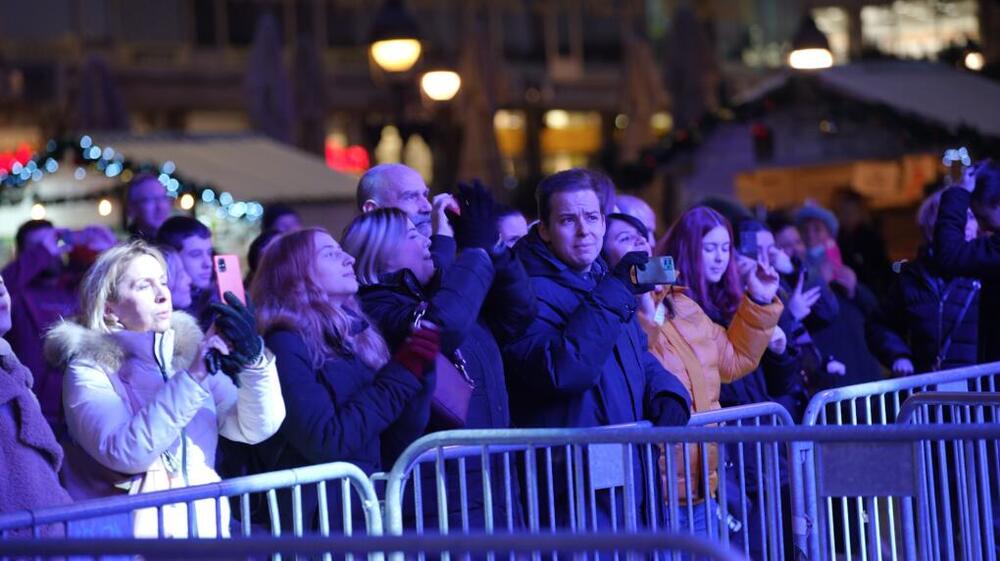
{"type": "Point", "coordinates": [69, 340]}
{"type": "Point", "coordinates": [539, 261]}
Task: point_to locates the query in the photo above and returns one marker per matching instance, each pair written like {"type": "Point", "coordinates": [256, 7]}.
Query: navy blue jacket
{"type": "Point", "coordinates": [919, 314]}
{"type": "Point", "coordinates": [474, 296]}
{"type": "Point", "coordinates": [585, 360]}
{"type": "Point", "coordinates": [336, 413]}
{"type": "Point", "coordinates": [979, 258]}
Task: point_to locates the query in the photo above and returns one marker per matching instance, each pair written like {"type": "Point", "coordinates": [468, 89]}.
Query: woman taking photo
{"type": "Point", "coordinates": [482, 296]}
{"type": "Point", "coordinates": [341, 388]}
{"type": "Point", "coordinates": [684, 337]}
{"type": "Point", "coordinates": [140, 400]}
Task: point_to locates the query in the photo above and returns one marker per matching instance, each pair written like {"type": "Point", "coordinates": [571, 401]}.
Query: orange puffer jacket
{"type": "Point", "coordinates": [703, 355]}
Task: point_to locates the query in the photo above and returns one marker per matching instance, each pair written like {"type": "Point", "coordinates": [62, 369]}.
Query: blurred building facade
{"type": "Point", "coordinates": [562, 89]}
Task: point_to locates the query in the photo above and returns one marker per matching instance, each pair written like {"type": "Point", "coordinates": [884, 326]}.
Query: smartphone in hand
{"type": "Point", "coordinates": [658, 270]}
{"type": "Point", "coordinates": [228, 276]}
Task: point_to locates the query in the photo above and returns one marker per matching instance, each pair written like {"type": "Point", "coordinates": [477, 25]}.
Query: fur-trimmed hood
{"type": "Point", "coordinates": [68, 341]}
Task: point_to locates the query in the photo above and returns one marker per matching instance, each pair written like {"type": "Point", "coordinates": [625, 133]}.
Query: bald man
{"type": "Point", "coordinates": [634, 206]}
{"type": "Point", "coordinates": [396, 186]}
{"type": "Point", "coordinates": [400, 186]}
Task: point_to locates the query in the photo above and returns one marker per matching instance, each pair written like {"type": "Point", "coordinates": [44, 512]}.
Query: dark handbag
{"type": "Point", "coordinates": [453, 390]}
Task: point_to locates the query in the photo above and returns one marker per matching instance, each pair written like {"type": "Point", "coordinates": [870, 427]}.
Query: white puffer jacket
{"type": "Point", "coordinates": [133, 408]}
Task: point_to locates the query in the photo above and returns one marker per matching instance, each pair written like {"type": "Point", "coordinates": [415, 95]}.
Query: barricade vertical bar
{"type": "Point", "coordinates": [723, 516]}
{"type": "Point", "coordinates": [508, 492]}
{"type": "Point", "coordinates": [765, 532]}
{"type": "Point", "coordinates": [672, 516]}
{"type": "Point", "coordinates": [218, 520]}
{"type": "Point", "coordinates": [550, 490]}
{"type": "Point", "coordinates": [574, 482]}
{"type": "Point", "coordinates": [531, 474]}
{"type": "Point", "coordinates": [345, 502]}
{"type": "Point", "coordinates": [324, 515]}
{"type": "Point", "coordinates": [463, 496]}
{"type": "Point", "coordinates": [688, 505]}
{"type": "Point", "coordinates": [705, 480]}
{"type": "Point", "coordinates": [321, 504]}
{"type": "Point", "coordinates": [744, 514]}
{"type": "Point", "coordinates": [487, 467]}
{"type": "Point", "coordinates": [441, 481]}
{"type": "Point", "coordinates": [631, 514]}
{"type": "Point", "coordinates": [160, 531]}
{"type": "Point", "coordinates": [418, 502]}
{"type": "Point", "coordinates": [945, 500]}
{"type": "Point", "coordinates": [653, 502]}
{"type": "Point", "coordinates": [245, 514]}
{"type": "Point", "coordinates": [297, 510]}
{"type": "Point", "coordinates": [985, 494]}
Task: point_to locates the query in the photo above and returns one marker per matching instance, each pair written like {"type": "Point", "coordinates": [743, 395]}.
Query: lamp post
{"type": "Point", "coordinates": [394, 41]}
{"type": "Point", "coordinates": [810, 48]}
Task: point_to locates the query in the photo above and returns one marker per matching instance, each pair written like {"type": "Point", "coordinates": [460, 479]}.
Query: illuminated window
{"type": "Point", "coordinates": [919, 28]}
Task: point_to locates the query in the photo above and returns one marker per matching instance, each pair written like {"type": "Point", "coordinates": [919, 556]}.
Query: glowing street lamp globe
{"type": "Point", "coordinates": [395, 55]}
{"type": "Point", "coordinates": [440, 85]}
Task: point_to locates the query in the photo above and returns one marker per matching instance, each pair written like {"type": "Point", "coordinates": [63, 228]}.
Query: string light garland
{"type": "Point", "coordinates": [88, 157]}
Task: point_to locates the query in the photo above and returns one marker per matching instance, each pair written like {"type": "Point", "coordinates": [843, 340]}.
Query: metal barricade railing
{"type": "Point", "coordinates": [960, 491]}
{"type": "Point", "coordinates": [597, 485]}
{"type": "Point", "coordinates": [576, 546]}
{"type": "Point", "coordinates": [863, 526]}
{"type": "Point", "coordinates": [350, 479]}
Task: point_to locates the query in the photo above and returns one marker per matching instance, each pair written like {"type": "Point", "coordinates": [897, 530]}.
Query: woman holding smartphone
{"type": "Point", "coordinates": [143, 409]}
{"type": "Point", "coordinates": [699, 351]}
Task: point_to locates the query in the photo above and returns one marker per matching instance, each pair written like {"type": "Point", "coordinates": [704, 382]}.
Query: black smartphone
{"type": "Point", "coordinates": [748, 245]}
{"type": "Point", "coordinates": [658, 270]}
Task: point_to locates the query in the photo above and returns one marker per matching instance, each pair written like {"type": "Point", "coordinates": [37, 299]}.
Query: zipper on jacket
{"type": "Point", "coordinates": [160, 359]}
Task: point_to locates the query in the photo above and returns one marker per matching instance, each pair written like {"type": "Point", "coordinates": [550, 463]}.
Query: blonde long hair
{"type": "Point", "coordinates": [100, 285]}
{"type": "Point", "coordinates": [287, 297]}
{"type": "Point", "coordinates": [372, 238]}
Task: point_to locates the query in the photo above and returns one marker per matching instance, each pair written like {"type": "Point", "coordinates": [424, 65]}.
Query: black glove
{"type": "Point", "coordinates": [476, 226]}
{"type": "Point", "coordinates": [623, 271]}
{"type": "Point", "coordinates": [238, 326]}
{"type": "Point", "coordinates": [668, 411]}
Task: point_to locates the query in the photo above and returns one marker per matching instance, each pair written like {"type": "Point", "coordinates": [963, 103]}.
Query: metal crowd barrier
{"type": "Point", "coordinates": [577, 546]}
{"type": "Point", "coordinates": [959, 483]}
{"type": "Point", "coordinates": [859, 525]}
{"type": "Point", "coordinates": [597, 485]}
{"type": "Point", "coordinates": [349, 477]}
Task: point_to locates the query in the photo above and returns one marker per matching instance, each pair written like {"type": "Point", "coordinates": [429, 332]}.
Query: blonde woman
{"type": "Point", "coordinates": [342, 389]}
{"type": "Point", "coordinates": [141, 405]}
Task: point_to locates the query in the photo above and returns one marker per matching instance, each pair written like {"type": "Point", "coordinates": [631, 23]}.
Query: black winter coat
{"type": "Point", "coordinates": [473, 298]}
{"type": "Point", "coordinates": [919, 314]}
{"type": "Point", "coordinates": [336, 413]}
{"type": "Point", "coordinates": [585, 360]}
{"type": "Point", "coordinates": [979, 258]}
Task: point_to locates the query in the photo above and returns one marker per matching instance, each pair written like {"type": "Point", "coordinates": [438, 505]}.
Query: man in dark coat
{"type": "Point", "coordinates": [980, 191]}
{"type": "Point", "coordinates": [584, 361]}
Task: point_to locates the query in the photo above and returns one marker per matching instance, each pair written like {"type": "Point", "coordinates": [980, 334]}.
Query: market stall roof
{"type": "Point", "coordinates": [250, 167]}
{"type": "Point", "coordinates": [933, 92]}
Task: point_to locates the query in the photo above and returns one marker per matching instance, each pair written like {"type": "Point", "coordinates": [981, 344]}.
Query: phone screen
{"type": "Point", "coordinates": [228, 276]}
{"type": "Point", "coordinates": [658, 270]}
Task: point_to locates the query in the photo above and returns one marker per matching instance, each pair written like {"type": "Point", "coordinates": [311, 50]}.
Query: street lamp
{"type": "Point", "coordinates": [440, 85]}
{"type": "Point", "coordinates": [974, 60]}
{"type": "Point", "coordinates": [810, 48]}
{"type": "Point", "coordinates": [394, 38]}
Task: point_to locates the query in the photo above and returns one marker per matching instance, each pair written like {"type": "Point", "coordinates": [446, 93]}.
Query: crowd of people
{"type": "Point", "coordinates": [126, 371]}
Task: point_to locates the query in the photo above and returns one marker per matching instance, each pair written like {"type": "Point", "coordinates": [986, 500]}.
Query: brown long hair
{"type": "Point", "coordinates": [287, 298]}
{"type": "Point", "coordinates": [683, 242]}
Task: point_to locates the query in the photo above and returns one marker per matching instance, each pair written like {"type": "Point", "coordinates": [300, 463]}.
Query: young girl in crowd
{"type": "Point", "coordinates": [700, 352]}
{"type": "Point", "coordinates": [484, 291]}
{"type": "Point", "coordinates": [341, 388]}
{"type": "Point", "coordinates": [140, 400]}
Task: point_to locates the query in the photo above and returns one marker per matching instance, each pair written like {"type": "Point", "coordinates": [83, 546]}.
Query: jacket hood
{"type": "Point", "coordinates": [539, 261]}
{"type": "Point", "coordinates": [68, 341]}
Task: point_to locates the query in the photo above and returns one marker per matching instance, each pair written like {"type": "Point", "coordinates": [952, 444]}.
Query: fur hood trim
{"type": "Point", "coordinates": [68, 341]}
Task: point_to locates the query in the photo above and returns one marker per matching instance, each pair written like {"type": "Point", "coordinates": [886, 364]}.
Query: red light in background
{"type": "Point", "coordinates": [349, 159]}
{"type": "Point", "coordinates": [20, 155]}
